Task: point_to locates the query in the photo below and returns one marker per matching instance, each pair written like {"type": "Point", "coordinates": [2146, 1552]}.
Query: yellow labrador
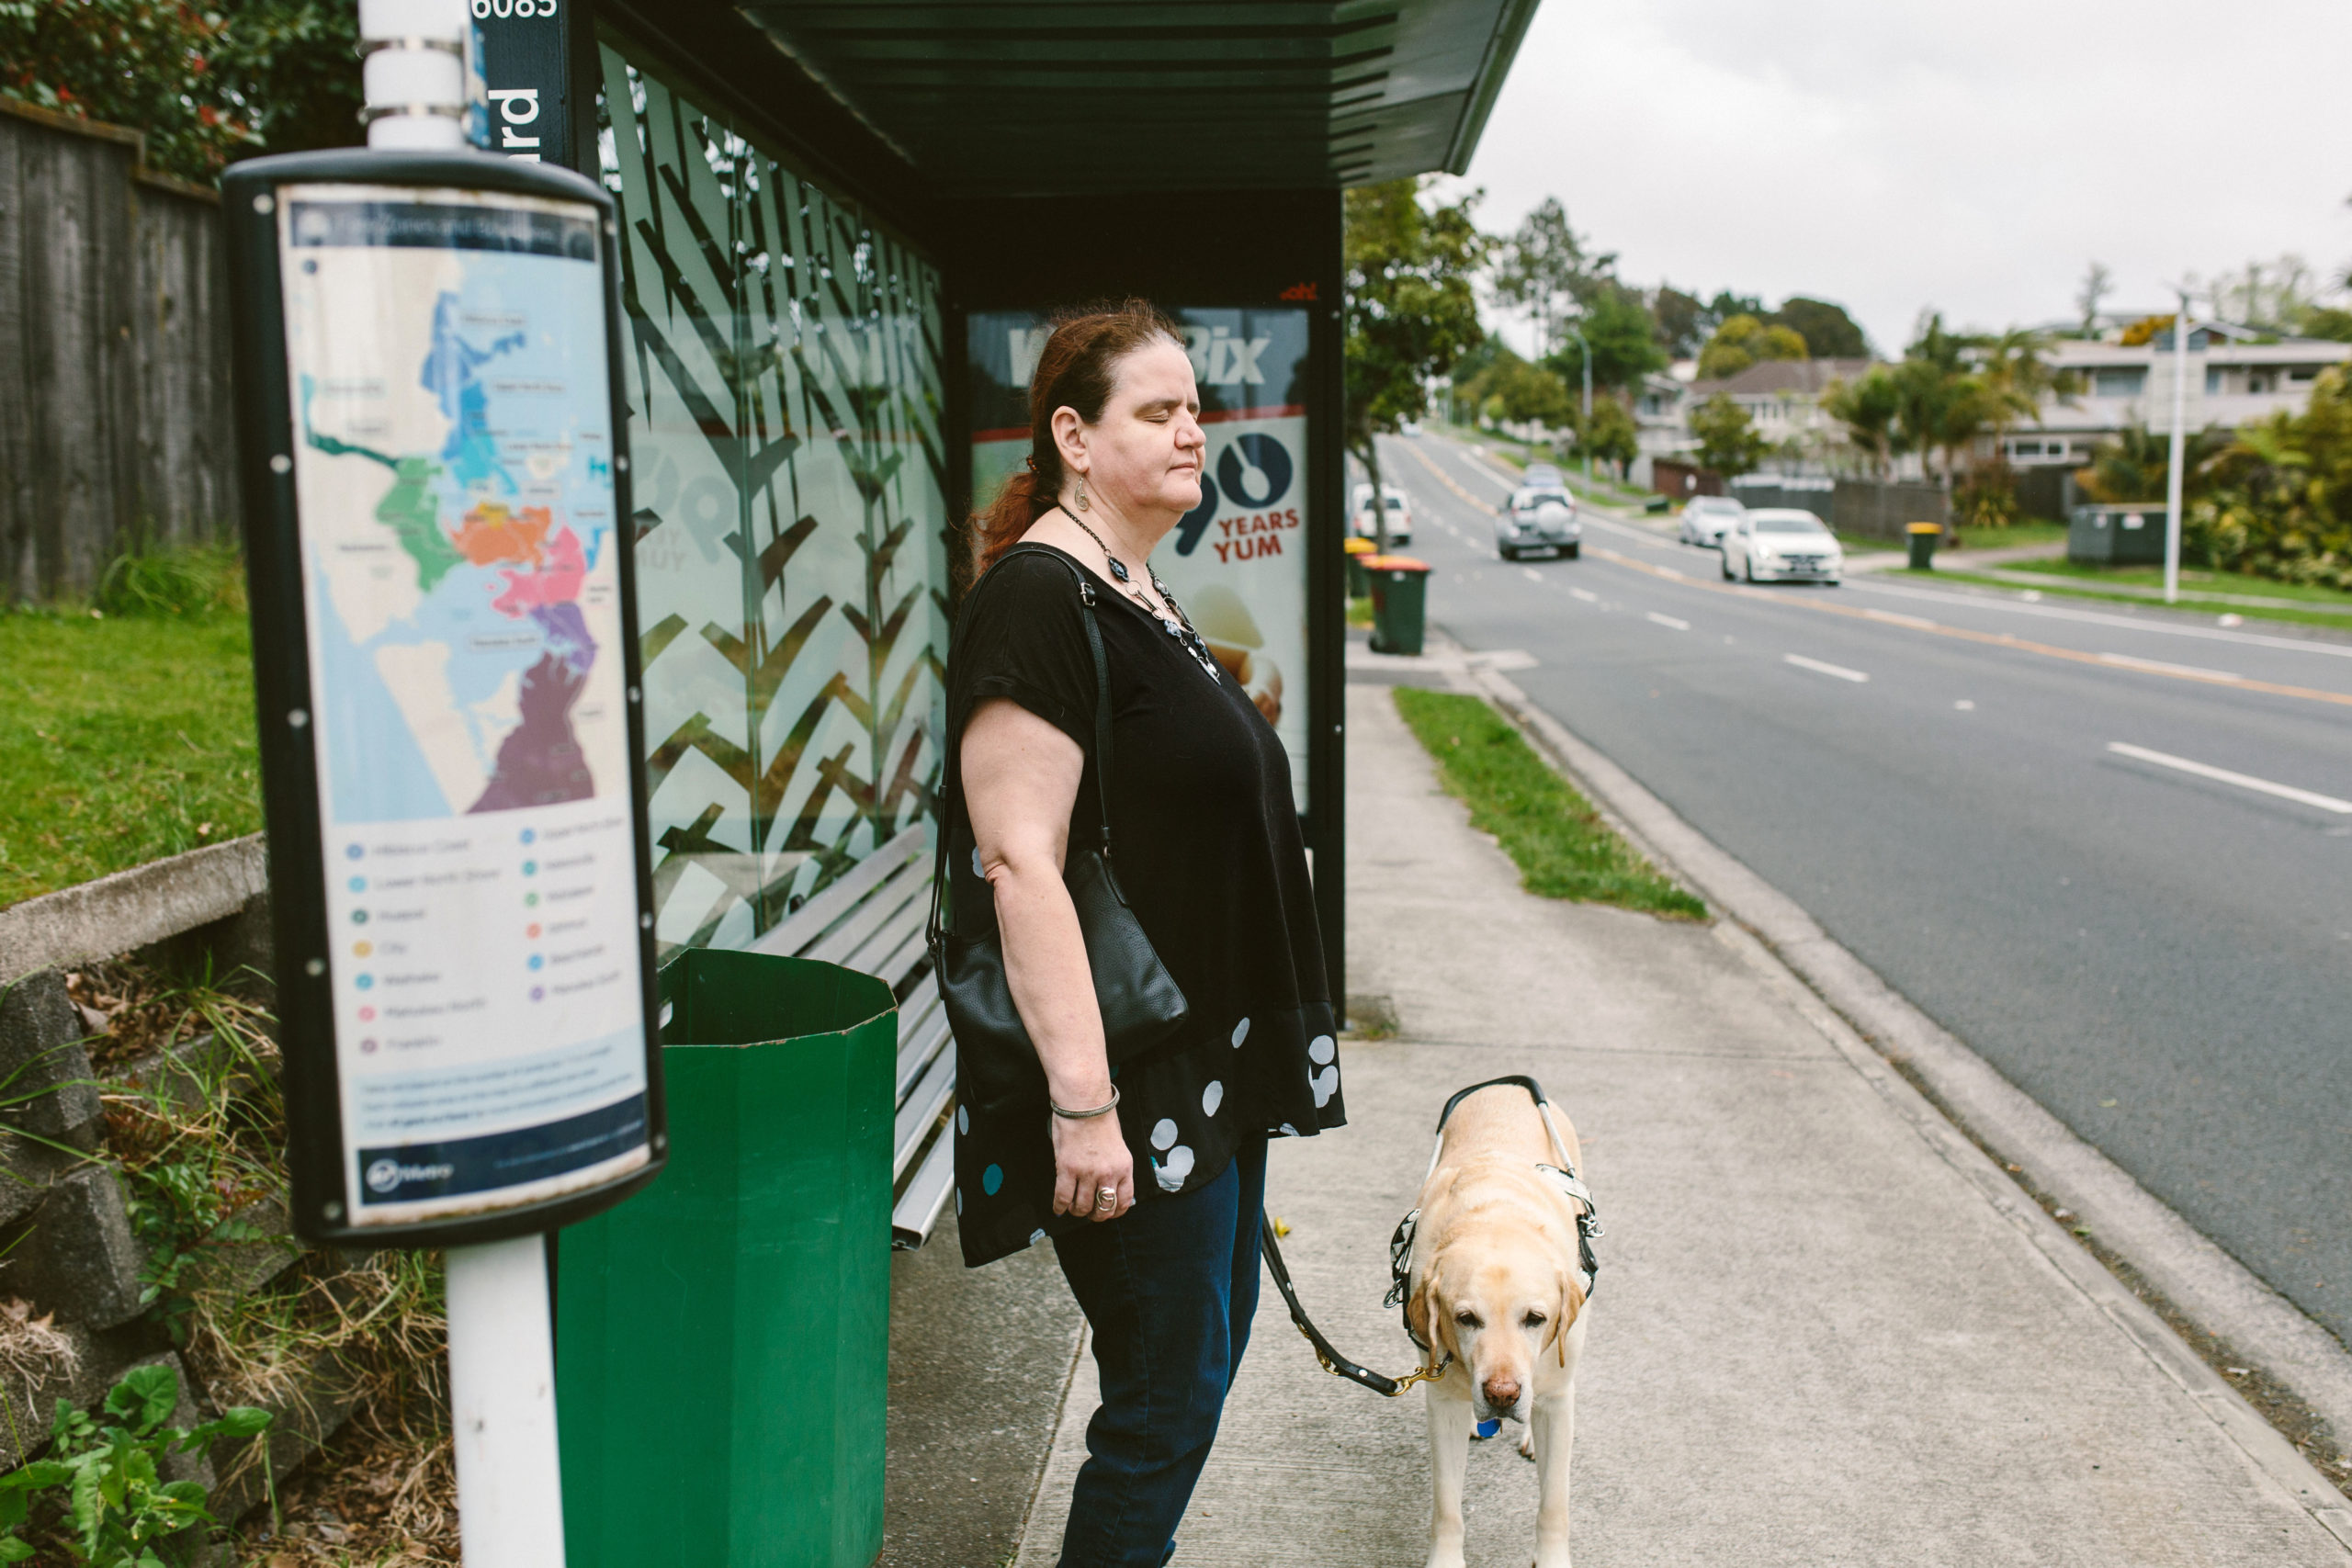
{"type": "Point", "coordinates": [1495, 1267]}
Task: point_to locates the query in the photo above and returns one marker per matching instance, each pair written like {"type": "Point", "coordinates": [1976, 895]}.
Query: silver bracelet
{"type": "Point", "coordinates": [1088, 1115]}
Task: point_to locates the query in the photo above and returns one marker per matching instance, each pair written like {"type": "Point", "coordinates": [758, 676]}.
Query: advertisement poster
{"type": "Point", "coordinates": [1238, 561]}
{"type": "Point", "coordinates": [452, 466]}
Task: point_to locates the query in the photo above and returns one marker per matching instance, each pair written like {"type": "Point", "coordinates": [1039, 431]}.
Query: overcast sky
{"type": "Point", "coordinates": [1890, 154]}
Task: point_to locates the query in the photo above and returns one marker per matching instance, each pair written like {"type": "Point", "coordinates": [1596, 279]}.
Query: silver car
{"type": "Point", "coordinates": [1705, 517]}
{"type": "Point", "coordinates": [1538, 517]}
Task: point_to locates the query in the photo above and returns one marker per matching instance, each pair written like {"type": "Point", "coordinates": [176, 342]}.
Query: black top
{"type": "Point", "coordinates": [1209, 854]}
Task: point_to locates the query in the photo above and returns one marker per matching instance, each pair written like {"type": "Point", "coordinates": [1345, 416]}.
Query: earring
{"type": "Point", "coordinates": [1081, 492]}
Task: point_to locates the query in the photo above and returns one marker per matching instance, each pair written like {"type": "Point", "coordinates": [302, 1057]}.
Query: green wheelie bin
{"type": "Point", "coordinates": [1400, 602]}
{"type": "Point", "coordinates": [723, 1339]}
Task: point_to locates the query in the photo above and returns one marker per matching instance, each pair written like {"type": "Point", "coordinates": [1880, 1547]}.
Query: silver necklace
{"type": "Point", "coordinates": [1179, 626]}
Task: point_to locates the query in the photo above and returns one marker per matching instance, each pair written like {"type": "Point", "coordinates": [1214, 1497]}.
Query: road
{"type": "Point", "coordinates": [2111, 852]}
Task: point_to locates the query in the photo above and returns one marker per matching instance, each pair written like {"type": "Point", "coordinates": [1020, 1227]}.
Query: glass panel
{"type": "Point", "coordinates": [785, 394]}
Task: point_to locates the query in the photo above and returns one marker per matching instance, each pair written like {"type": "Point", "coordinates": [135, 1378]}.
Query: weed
{"type": "Point", "coordinates": [172, 580]}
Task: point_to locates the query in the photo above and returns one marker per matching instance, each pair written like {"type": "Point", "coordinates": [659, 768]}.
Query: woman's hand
{"type": "Point", "coordinates": [1091, 1159]}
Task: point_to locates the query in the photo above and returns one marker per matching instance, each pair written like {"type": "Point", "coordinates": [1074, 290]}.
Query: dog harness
{"type": "Point", "coordinates": [1562, 1176]}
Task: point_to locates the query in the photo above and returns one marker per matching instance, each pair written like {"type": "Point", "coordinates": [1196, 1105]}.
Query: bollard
{"type": "Point", "coordinates": [1924, 537]}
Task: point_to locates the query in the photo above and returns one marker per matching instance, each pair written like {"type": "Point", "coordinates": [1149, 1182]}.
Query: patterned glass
{"type": "Point", "coordinates": [785, 393]}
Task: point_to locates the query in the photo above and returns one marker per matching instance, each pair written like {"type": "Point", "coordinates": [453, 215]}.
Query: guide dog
{"type": "Point", "coordinates": [1495, 1270]}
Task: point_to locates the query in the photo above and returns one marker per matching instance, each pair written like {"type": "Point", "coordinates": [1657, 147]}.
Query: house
{"type": "Point", "coordinates": [2238, 377]}
{"type": "Point", "coordinates": [1782, 397]}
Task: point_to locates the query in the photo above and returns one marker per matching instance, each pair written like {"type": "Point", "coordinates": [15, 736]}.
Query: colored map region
{"type": "Point", "coordinates": [457, 523]}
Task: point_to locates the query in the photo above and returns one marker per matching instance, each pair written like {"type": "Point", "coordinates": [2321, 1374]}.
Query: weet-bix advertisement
{"type": "Point", "coordinates": [1239, 560]}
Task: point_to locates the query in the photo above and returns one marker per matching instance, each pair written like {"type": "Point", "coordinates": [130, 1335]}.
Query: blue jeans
{"type": "Point", "coordinates": [1168, 1289]}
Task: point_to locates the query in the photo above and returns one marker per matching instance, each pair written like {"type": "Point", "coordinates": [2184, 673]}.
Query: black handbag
{"type": "Point", "coordinates": [1141, 1004]}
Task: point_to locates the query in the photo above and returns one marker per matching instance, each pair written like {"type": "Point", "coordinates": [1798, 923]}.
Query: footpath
{"type": "Point", "coordinates": [1827, 1330]}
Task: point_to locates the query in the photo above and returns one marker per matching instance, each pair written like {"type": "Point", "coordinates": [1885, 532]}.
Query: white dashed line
{"type": "Point", "coordinates": [2223, 775]}
{"type": "Point", "coordinates": [1668, 621]}
{"type": "Point", "coordinates": [1820, 668]}
{"type": "Point", "coordinates": [1530, 573]}
{"type": "Point", "coordinates": [1586, 595]}
{"type": "Point", "coordinates": [1965, 706]}
{"type": "Point", "coordinates": [2158, 667]}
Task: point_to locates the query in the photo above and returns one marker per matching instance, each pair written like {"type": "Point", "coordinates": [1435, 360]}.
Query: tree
{"type": "Point", "coordinates": [2096, 284]}
{"type": "Point", "coordinates": [2277, 501]}
{"type": "Point", "coordinates": [1410, 309]}
{"type": "Point", "coordinates": [1728, 442]}
{"type": "Point", "coordinates": [1681, 320]}
{"type": "Point", "coordinates": [1544, 267]}
{"type": "Point", "coordinates": [1534, 394]}
{"type": "Point", "coordinates": [1623, 336]}
{"type": "Point", "coordinates": [1828, 332]}
{"type": "Point", "coordinates": [1742, 341]}
{"type": "Point", "coordinates": [206, 87]}
{"type": "Point", "coordinates": [1868, 407]}
{"type": "Point", "coordinates": [1611, 435]}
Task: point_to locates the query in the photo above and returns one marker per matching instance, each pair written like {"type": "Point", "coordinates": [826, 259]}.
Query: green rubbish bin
{"type": "Point", "coordinates": [1400, 602]}
{"type": "Point", "coordinates": [723, 1339]}
{"type": "Point", "coordinates": [1355, 548]}
{"type": "Point", "coordinates": [1923, 544]}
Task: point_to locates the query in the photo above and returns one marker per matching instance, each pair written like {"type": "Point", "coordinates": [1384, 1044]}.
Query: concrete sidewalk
{"type": "Point", "coordinates": [1827, 1330]}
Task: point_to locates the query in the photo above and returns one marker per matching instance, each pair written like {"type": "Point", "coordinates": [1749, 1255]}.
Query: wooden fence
{"type": "Point", "coordinates": [116, 419]}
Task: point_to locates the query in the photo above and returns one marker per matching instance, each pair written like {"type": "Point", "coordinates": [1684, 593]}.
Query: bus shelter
{"type": "Point", "coordinates": [843, 227]}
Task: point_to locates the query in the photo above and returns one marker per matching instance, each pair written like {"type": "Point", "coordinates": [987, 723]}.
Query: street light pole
{"type": "Point", "coordinates": [2173, 471]}
{"type": "Point", "coordinates": [1583, 356]}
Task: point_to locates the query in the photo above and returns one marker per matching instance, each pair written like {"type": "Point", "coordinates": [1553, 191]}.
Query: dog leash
{"type": "Point", "coordinates": [1339, 1366]}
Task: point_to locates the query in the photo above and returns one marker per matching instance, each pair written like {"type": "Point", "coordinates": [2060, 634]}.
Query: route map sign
{"type": "Point", "coordinates": [450, 739]}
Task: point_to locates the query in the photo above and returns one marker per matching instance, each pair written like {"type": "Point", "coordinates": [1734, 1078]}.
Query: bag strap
{"type": "Point", "coordinates": [951, 772]}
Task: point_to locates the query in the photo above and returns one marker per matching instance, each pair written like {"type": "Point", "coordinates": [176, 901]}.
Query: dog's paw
{"type": "Point", "coordinates": [1527, 1445]}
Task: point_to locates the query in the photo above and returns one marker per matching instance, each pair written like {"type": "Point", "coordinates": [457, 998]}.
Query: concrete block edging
{"type": "Point", "coordinates": [1871, 1025]}
{"type": "Point", "coordinates": [133, 908]}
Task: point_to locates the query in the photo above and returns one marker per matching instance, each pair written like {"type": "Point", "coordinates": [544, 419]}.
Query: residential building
{"type": "Point", "coordinates": [2238, 377]}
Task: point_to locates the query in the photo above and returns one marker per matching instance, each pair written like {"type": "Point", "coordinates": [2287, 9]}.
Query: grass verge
{"type": "Point", "coordinates": [1560, 844]}
{"type": "Point", "coordinates": [1359, 612]}
{"type": "Point", "coordinates": [2335, 620]}
{"type": "Point", "coordinates": [2194, 580]}
{"type": "Point", "coordinates": [123, 739]}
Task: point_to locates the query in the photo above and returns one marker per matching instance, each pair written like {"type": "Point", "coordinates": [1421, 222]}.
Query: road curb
{"type": "Point", "coordinates": [1876, 1026]}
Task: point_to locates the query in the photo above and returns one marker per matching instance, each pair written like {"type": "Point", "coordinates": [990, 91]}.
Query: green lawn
{"type": "Point", "coordinates": [122, 740]}
{"type": "Point", "coordinates": [2014, 534]}
{"type": "Point", "coordinates": [1562, 847]}
{"type": "Point", "coordinates": [2193, 580]}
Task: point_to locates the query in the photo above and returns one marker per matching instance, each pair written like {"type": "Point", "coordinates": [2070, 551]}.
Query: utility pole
{"type": "Point", "coordinates": [1583, 356]}
{"type": "Point", "coordinates": [2172, 473]}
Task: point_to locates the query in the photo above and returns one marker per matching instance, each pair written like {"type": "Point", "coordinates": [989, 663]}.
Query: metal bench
{"type": "Point", "coordinates": [872, 921]}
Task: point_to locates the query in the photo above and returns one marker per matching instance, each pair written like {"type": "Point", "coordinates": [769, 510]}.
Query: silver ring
{"type": "Point", "coordinates": [1107, 1197]}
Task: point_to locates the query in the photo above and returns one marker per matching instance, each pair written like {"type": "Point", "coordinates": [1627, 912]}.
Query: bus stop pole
{"type": "Point", "coordinates": [502, 1404]}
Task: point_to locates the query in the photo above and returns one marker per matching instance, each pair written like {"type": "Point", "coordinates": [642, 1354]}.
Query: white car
{"type": "Point", "coordinates": [1781, 544]}
{"type": "Point", "coordinates": [1705, 517]}
{"type": "Point", "coordinates": [1400, 515]}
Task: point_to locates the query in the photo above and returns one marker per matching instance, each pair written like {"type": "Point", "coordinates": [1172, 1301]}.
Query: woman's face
{"type": "Point", "coordinates": [1144, 455]}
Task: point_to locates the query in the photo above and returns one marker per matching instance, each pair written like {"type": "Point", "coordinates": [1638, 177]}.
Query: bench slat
{"type": "Point", "coordinates": [915, 1053]}
{"type": "Point", "coordinates": [808, 922]}
{"type": "Point", "coordinates": [893, 935]}
{"type": "Point", "coordinates": [922, 1109]}
{"type": "Point", "coordinates": [919, 1208]}
{"type": "Point", "coordinates": [905, 889]}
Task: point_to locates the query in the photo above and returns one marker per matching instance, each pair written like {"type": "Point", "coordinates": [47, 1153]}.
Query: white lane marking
{"type": "Point", "coordinates": [2244, 781]}
{"type": "Point", "coordinates": [1821, 668]}
{"type": "Point", "coordinates": [1586, 595]}
{"type": "Point", "coordinates": [1668, 621]}
{"type": "Point", "coordinates": [1896, 617]}
{"type": "Point", "coordinates": [1965, 706]}
{"type": "Point", "coordinates": [2158, 666]}
{"type": "Point", "coordinates": [1530, 573]}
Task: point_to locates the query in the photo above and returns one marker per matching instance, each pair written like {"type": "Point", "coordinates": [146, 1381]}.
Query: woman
{"type": "Point", "coordinates": [1150, 1187]}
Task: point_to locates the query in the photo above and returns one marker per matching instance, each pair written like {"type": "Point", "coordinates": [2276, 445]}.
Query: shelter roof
{"type": "Point", "coordinates": [1065, 97]}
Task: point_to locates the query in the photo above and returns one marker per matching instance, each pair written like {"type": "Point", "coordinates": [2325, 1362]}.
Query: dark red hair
{"type": "Point", "coordinates": [1078, 369]}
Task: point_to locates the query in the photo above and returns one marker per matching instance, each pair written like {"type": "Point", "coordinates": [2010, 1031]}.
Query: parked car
{"type": "Point", "coordinates": [1538, 517]}
{"type": "Point", "coordinates": [1705, 517]}
{"type": "Point", "coordinates": [1409, 427]}
{"type": "Point", "coordinates": [1400, 515]}
{"type": "Point", "coordinates": [1782, 544]}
